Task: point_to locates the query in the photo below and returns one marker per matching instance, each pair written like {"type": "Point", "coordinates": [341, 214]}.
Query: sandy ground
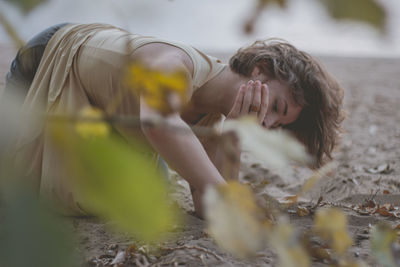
{"type": "Point", "coordinates": [372, 138]}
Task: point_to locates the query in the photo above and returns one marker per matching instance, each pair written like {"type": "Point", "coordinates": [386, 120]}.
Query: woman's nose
{"type": "Point", "coordinates": [271, 121]}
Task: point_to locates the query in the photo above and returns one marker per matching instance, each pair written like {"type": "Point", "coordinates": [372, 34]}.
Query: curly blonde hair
{"type": "Point", "coordinates": [319, 123]}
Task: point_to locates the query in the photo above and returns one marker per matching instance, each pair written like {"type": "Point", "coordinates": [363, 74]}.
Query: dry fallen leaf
{"type": "Point", "coordinates": [388, 206]}
{"type": "Point", "coordinates": [386, 210]}
{"type": "Point", "coordinates": [368, 203]}
{"type": "Point", "coordinates": [302, 211]}
{"type": "Point", "coordinates": [291, 200]}
{"type": "Point", "coordinates": [383, 168]}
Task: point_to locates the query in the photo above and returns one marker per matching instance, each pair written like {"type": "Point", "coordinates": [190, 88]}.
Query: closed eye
{"type": "Point", "coordinates": [275, 106]}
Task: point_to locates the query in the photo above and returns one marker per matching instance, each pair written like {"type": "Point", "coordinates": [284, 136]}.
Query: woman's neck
{"type": "Point", "coordinates": [218, 94]}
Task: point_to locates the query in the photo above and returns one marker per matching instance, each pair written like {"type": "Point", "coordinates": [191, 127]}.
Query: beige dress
{"type": "Point", "coordinates": [82, 66]}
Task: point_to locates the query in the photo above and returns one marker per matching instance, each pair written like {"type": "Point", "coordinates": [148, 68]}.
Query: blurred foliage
{"type": "Point", "coordinates": [233, 219]}
{"type": "Point", "coordinates": [240, 227]}
{"type": "Point", "coordinates": [369, 11]}
{"type": "Point", "coordinates": [11, 31]}
{"type": "Point", "coordinates": [366, 11]}
{"type": "Point", "coordinates": [284, 239]}
{"type": "Point", "coordinates": [385, 245]}
{"type": "Point", "coordinates": [311, 182]}
{"type": "Point", "coordinates": [26, 5]}
{"type": "Point", "coordinates": [117, 181]}
{"type": "Point", "coordinates": [91, 128]}
{"type": "Point", "coordinates": [281, 3]}
{"type": "Point", "coordinates": [274, 147]}
{"type": "Point", "coordinates": [237, 224]}
{"type": "Point", "coordinates": [30, 234]}
{"type": "Point", "coordinates": [331, 225]}
{"type": "Point", "coordinates": [165, 92]}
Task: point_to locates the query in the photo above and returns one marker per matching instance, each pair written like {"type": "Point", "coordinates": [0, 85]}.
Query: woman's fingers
{"type": "Point", "coordinates": [255, 105]}
{"type": "Point", "coordinates": [248, 97]}
{"type": "Point", "coordinates": [264, 103]}
{"type": "Point", "coordinates": [252, 98]}
{"type": "Point", "coordinates": [237, 105]}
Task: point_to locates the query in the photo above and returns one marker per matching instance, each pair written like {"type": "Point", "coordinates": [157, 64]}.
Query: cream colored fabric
{"type": "Point", "coordinates": [82, 65]}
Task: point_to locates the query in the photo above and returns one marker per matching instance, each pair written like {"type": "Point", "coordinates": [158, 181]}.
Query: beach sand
{"type": "Point", "coordinates": [371, 139]}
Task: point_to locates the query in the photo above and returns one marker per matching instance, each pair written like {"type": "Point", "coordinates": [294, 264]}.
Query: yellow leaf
{"type": "Point", "coordinates": [233, 219]}
{"type": "Point", "coordinates": [158, 88]}
{"type": "Point", "coordinates": [291, 254]}
{"type": "Point", "coordinates": [331, 225]}
{"type": "Point", "coordinates": [92, 126]}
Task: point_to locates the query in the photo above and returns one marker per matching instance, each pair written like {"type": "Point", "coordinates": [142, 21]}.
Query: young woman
{"type": "Point", "coordinates": [72, 66]}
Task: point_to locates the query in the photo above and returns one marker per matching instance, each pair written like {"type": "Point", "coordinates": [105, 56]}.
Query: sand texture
{"type": "Point", "coordinates": [371, 139]}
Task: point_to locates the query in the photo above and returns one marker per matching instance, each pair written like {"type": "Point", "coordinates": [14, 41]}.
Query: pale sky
{"type": "Point", "coordinates": [216, 25]}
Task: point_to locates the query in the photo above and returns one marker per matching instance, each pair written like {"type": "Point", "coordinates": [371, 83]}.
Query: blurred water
{"type": "Point", "coordinates": [216, 25]}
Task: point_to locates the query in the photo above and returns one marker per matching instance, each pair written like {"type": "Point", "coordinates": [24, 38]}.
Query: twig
{"type": "Point", "coordinates": [134, 121]}
{"type": "Point", "coordinates": [142, 262]}
{"type": "Point", "coordinates": [12, 33]}
{"type": "Point", "coordinates": [195, 248]}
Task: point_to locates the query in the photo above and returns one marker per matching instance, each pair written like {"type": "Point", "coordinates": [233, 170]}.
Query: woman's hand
{"type": "Point", "coordinates": [252, 98]}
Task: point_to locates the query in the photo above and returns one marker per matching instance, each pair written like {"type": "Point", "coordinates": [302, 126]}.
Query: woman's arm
{"type": "Point", "coordinates": [226, 154]}
{"type": "Point", "coordinates": [181, 149]}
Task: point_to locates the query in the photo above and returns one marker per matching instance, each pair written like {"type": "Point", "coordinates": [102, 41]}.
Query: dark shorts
{"type": "Point", "coordinates": [25, 64]}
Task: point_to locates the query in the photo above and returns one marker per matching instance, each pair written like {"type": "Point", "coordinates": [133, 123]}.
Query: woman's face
{"type": "Point", "coordinates": [282, 108]}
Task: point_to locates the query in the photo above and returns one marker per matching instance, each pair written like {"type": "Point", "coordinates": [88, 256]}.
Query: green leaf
{"type": "Point", "coordinates": [368, 11]}
{"type": "Point", "coordinates": [383, 238]}
{"type": "Point", "coordinates": [117, 182]}
{"type": "Point", "coordinates": [31, 235]}
{"type": "Point", "coordinates": [26, 5]}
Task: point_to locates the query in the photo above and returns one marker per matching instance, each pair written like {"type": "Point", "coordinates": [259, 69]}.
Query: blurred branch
{"type": "Point", "coordinates": [365, 11]}
{"type": "Point", "coordinates": [134, 121]}
{"type": "Point", "coordinates": [26, 6]}
{"type": "Point", "coordinates": [259, 8]}
{"type": "Point", "coordinates": [12, 33]}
